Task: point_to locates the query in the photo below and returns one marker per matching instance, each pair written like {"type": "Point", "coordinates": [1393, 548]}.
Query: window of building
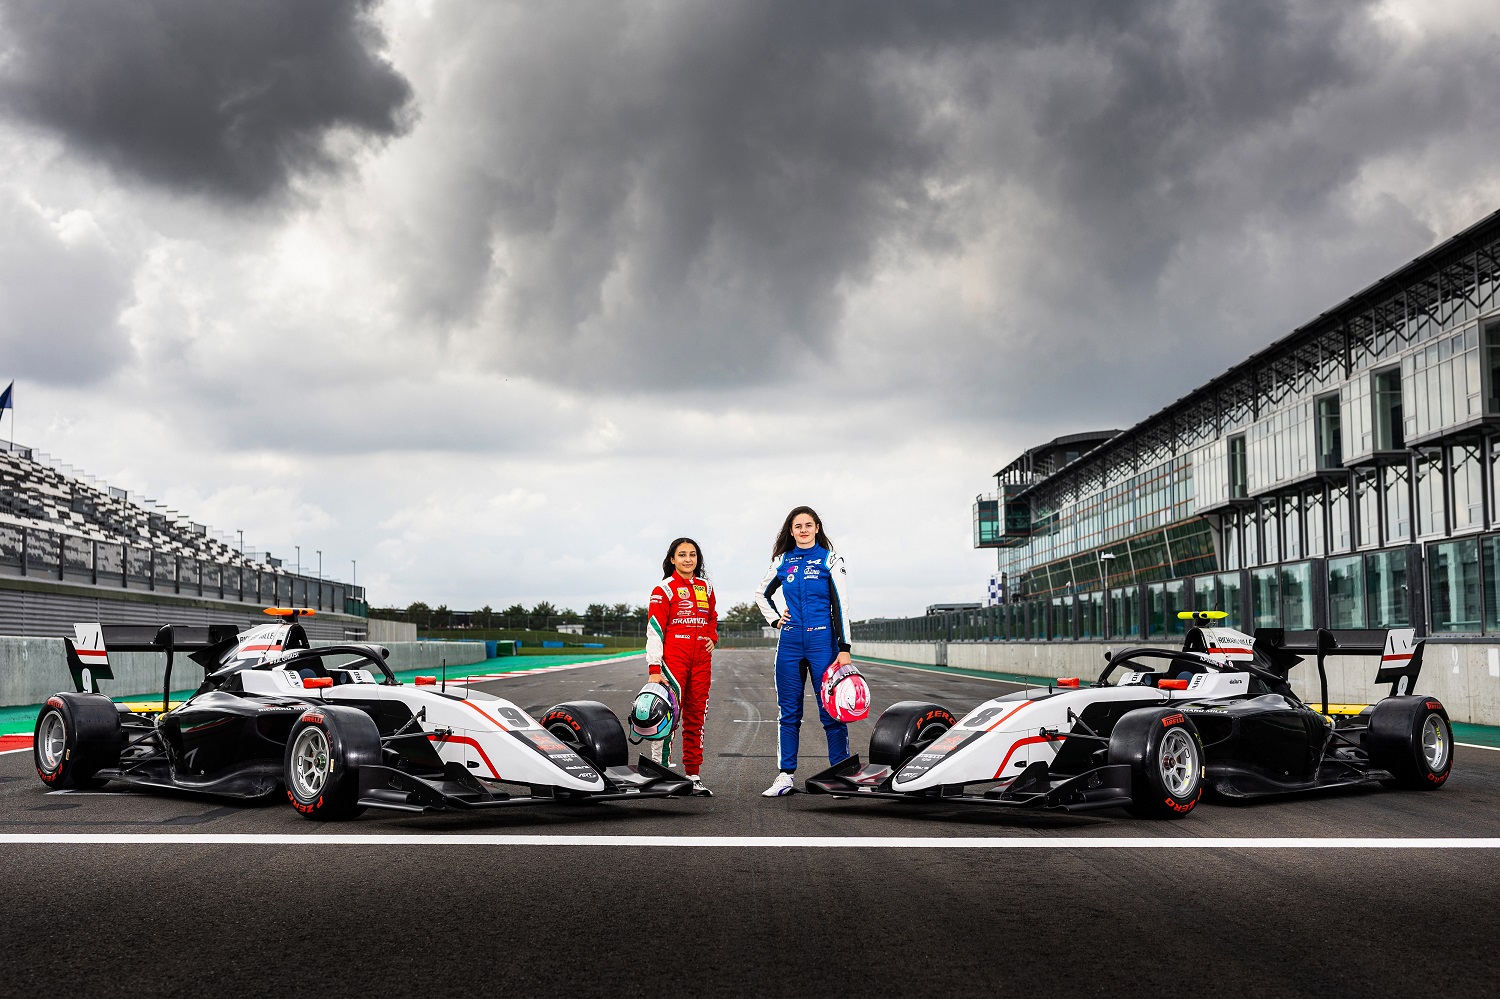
{"type": "Point", "coordinates": [1490, 551]}
{"type": "Point", "coordinates": [1174, 605]}
{"type": "Point", "coordinates": [1453, 585]}
{"type": "Point", "coordinates": [1296, 597]}
{"type": "Point", "coordinates": [1269, 531]}
{"type": "Point", "coordinates": [1386, 592]}
{"type": "Point", "coordinates": [1340, 523]}
{"type": "Point", "coordinates": [1467, 478]}
{"type": "Point", "coordinates": [1346, 592]}
{"type": "Point", "coordinates": [1396, 482]}
{"type": "Point", "coordinates": [1091, 615]}
{"type": "Point", "coordinates": [1205, 594]}
{"type": "Point", "coordinates": [1492, 367]}
{"type": "Point", "coordinates": [1291, 527]}
{"type": "Point", "coordinates": [1390, 433]}
{"type": "Point", "coordinates": [1156, 610]}
{"type": "Point", "coordinates": [1125, 612]}
{"type": "Point", "coordinates": [1265, 597]}
{"type": "Point", "coordinates": [1239, 483]}
{"type": "Point", "coordinates": [1229, 599]}
{"type": "Point", "coordinates": [1367, 508]}
{"type": "Point", "coordinates": [1314, 525]}
{"type": "Point", "coordinates": [1329, 432]}
{"type": "Point", "coordinates": [1229, 538]}
{"type": "Point", "coordinates": [1062, 617]}
{"type": "Point", "coordinates": [1429, 492]}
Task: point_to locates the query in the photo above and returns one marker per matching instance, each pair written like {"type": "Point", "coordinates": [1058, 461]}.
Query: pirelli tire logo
{"type": "Point", "coordinates": [1171, 720]}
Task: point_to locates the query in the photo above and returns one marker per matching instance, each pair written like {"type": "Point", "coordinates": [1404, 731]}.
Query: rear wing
{"type": "Point", "coordinates": [1399, 649]}
{"type": "Point", "coordinates": [88, 650]}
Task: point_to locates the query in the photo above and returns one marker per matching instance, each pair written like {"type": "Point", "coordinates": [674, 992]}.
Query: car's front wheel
{"type": "Point", "coordinates": [591, 730]}
{"type": "Point", "coordinates": [905, 729]}
{"type": "Point", "coordinates": [1165, 755]}
{"type": "Point", "coordinates": [324, 752]}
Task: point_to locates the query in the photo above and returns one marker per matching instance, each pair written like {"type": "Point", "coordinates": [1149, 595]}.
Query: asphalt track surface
{"type": "Point", "coordinates": [793, 898]}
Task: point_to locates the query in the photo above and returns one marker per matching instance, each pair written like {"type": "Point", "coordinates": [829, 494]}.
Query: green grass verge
{"type": "Point", "coordinates": [21, 719]}
{"type": "Point", "coordinates": [983, 674]}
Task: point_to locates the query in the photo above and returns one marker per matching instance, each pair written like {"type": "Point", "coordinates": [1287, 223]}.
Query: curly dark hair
{"type": "Point", "coordinates": [667, 568]}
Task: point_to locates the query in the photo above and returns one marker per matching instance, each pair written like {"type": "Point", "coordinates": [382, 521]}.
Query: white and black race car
{"type": "Point", "coordinates": [330, 725]}
{"type": "Point", "coordinates": [1159, 726]}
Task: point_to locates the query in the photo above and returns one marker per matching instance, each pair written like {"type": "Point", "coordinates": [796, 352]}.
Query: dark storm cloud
{"type": "Point", "coordinates": [231, 99]}
{"type": "Point", "coordinates": [689, 193]}
{"type": "Point", "coordinates": [686, 191]}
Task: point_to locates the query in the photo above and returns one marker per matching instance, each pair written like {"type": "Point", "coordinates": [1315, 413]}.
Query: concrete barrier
{"type": "Point", "coordinates": [384, 632]}
{"type": "Point", "coordinates": [33, 669]}
{"type": "Point", "coordinates": [1464, 676]}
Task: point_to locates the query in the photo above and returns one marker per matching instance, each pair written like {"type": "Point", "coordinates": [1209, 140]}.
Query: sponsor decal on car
{"type": "Point", "coordinates": [1171, 720]}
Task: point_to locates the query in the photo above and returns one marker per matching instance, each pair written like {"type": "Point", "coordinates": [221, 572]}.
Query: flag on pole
{"type": "Point", "coordinates": [5, 397]}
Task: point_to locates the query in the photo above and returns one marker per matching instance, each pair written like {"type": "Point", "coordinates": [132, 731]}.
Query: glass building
{"type": "Point", "coordinates": [1347, 476]}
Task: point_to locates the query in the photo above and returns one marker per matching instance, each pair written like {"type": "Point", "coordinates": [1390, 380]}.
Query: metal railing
{"type": "Point", "coordinates": [40, 554]}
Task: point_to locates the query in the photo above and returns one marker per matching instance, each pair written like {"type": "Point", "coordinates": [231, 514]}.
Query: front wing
{"type": "Point", "coordinates": [1036, 787]}
{"type": "Point", "coordinates": [459, 790]}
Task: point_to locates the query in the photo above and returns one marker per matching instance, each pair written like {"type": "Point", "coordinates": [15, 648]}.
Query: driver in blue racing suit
{"type": "Point", "coordinates": [814, 634]}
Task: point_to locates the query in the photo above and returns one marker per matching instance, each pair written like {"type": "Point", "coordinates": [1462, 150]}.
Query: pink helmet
{"type": "Point", "coordinates": [845, 694]}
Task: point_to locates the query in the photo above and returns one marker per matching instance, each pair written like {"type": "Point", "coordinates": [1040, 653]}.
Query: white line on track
{"type": "Point", "coordinates": [756, 842]}
{"type": "Point", "coordinates": [1475, 745]}
{"type": "Point", "coordinates": [7, 752]}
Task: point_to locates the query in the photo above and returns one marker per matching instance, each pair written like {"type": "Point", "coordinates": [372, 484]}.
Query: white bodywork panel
{"type": "Point", "coordinates": [1012, 728]}
{"type": "Point", "coordinates": [471, 726]}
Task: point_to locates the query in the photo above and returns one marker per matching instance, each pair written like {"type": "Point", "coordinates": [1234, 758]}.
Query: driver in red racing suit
{"type": "Point", "coordinates": [682, 627]}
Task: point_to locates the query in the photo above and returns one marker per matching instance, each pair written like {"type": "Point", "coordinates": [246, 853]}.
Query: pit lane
{"type": "Point", "coordinates": [739, 895]}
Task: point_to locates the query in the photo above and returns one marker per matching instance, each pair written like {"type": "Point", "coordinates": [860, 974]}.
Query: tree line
{"type": "Point", "coordinates": [597, 619]}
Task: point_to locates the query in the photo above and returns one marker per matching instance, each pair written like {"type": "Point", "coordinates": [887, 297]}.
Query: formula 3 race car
{"type": "Point", "coordinates": [1157, 727]}
{"type": "Point", "coordinates": [332, 726]}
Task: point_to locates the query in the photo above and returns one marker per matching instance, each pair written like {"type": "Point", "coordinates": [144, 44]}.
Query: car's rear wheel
{"type": "Point", "coordinates": [76, 736]}
{"type": "Point", "coordinates": [906, 728]}
{"type": "Point", "coordinates": [1165, 755]}
{"type": "Point", "coordinates": [324, 752]}
{"type": "Point", "coordinates": [1411, 738]}
{"type": "Point", "coordinates": [591, 730]}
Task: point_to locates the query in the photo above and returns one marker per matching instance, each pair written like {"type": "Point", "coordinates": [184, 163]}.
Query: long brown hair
{"type": "Point", "coordinates": [785, 542]}
{"type": "Point", "coordinates": [667, 568]}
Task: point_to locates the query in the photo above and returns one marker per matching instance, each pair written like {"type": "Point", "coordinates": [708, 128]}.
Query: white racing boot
{"type": "Point", "coordinates": [698, 788]}
{"type": "Point", "coordinates": [782, 785]}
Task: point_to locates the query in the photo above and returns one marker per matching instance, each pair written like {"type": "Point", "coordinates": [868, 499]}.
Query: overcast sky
{"type": "Point", "coordinates": [499, 298]}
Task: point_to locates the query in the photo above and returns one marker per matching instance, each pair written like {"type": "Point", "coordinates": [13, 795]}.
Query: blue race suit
{"type": "Point", "coordinates": [812, 580]}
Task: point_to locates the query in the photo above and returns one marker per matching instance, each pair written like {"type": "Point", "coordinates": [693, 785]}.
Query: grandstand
{"type": "Point", "coordinates": [76, 549]}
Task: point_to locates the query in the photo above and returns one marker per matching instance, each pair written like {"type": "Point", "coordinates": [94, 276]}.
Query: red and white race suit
{"type": "Point", "coordinates": [682, 620]}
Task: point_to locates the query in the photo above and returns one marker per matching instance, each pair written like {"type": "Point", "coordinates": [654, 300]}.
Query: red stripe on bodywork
{"type": "Point", "coordinates": [467, 742]}
{"type": "Point", "coordinates": [1004, 717]}
{"type": "Point", "coordinates": [1394, 656]}
{"type": "Point", "coordinates": [486, 716]}
{"type": "Point", "coordinates": [1025, 742]}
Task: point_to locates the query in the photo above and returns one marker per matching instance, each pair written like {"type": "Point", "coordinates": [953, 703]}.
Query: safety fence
{"type": "Point", "coordinates": [44, 555]}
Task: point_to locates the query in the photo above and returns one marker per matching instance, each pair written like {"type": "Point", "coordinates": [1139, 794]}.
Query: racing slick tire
{"type": "Point", "coordinates": [324, 752]}
{"type": "Point", "coordinates": [904, 729]}
{"type": "Point", "coordinates": [1412, 738]}
{"type": "Point", "coordinates": [591, 730]}
{"type": "Point", "coordinates": [76, 736]}
{"type": "Point", "coordinates": [1165, 755]}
